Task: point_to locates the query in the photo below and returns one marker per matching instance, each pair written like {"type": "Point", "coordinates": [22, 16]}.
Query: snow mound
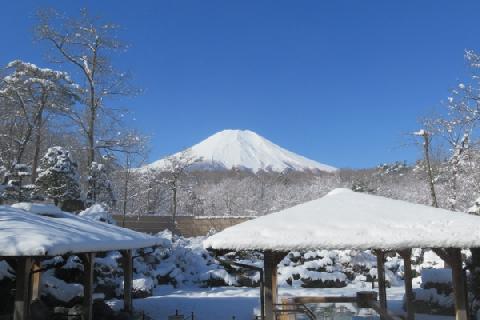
{"type": "Point", "coordinates": [98, 212]}
{"type": "Point", "coordinates": [58, 288]}
{"type": "Point", "coordinates": [42, 209]}
{"type": "Point", "coordinates": [436, 276]}
{"type": "Point", "coordinates": [246, 150]}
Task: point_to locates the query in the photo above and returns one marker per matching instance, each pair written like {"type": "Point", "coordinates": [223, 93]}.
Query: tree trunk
{"type": "Point", "coordinates": [174, 210]}
{"type": "Point", "coordinates": [125, 189]}
{"type": "Point", "coordinates": [37, 145]}
{"type": "Point", "coordinates": [426, 149]}
{"type": "Point", "coordinates": [91, 151]}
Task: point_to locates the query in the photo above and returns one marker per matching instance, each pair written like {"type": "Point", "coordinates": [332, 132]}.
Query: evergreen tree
{"type": "Point", "coordinates": [58, 177]}
{"type": "Point", "coordinates": [14, 189]}
{"type": "Point", "coordinates": [100, 186]}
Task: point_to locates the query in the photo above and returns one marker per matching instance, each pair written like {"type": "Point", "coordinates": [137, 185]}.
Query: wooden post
{"type": "Point", "coordinates": [22, 279]}
{"type": "Point", "coordinates": [127, 280]}
{"type": "Point", "coordinates": [270, 263]}
{"type": "Point", "coordinates": [270, 288]}
{"type": "Point", "coordinates": [88, 266]}
{"type": "Point", "coordinates": [382, 290]}
{"type": "Point", "coordinates": [459, 289]}
{"type": "Point", "coordinates": [407, 275]}
{"type": "Point", "coordinates": [262, 294]}
{"type": "Point", "coordinates": [35, 282]}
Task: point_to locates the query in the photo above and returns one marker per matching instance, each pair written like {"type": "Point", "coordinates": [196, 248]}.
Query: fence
{"type": "Point", "coordinates": [187, 226]}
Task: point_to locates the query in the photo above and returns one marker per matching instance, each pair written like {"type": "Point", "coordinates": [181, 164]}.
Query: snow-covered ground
{"type": "Point", "coordinates": [241, 303]}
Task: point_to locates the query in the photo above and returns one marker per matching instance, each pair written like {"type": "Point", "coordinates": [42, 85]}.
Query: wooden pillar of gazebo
{"type": "Point", "coordinates": [127, 280]}
{"type": "Point", "coordinates": [88, 266]}
{"type": "Point", "coordinates": [270, 263]}
{"type": "Point", "coordinates": [22, 278]}
{"type": "Point", "coordinates": [407, 278]}
{"type": "Point", "coordinates": [35, 280]}
{"type": "Point", "coordinates": [382, 288]}
{"type": "Point", "coordinates": [459, 284]}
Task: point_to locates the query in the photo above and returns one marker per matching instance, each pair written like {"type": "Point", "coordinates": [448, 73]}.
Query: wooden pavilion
{"type": "Point", "coordinates": [344, 219]}
{"type": "Point", "coordinates": [44, 232]}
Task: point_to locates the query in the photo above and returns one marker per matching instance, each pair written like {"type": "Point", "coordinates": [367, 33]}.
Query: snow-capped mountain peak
{"type": "Point", "coordinates": [245, 149]}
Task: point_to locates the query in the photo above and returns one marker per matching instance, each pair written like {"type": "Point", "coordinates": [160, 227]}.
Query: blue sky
{"type": "Point", "coordinates": [340, 82]}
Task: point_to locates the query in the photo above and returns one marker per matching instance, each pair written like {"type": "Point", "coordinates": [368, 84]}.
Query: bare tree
{"type": "Point", "coordinates": [134, 156]}
{"type": "Point", "coordinates": [175, 169]}
{"type": "Point", "coordinates": [428, 164]}
{"type": "Point", "coordinates": [87, 44]}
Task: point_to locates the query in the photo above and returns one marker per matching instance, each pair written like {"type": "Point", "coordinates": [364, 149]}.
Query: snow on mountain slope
{"type": "Point", "coordinates": [244, 149]}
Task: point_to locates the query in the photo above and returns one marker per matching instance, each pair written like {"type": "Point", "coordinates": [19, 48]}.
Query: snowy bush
{"type": "Point", "coordinates": [98, 212]}
{"type": "Point", "coordinates": [435, 295]}
{"type": "Point", "coordinates": [186, 262]}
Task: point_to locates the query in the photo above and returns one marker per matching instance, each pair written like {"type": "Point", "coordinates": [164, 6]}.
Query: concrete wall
{"type": "Point", "coordinates": [186, 226]}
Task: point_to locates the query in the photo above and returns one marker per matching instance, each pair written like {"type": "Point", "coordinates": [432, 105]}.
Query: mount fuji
{"type": "Point", "coordinates": [244, 150]}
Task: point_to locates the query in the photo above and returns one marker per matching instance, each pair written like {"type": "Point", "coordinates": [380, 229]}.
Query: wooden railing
{"type": "Point", "coordinates": [367, 299]}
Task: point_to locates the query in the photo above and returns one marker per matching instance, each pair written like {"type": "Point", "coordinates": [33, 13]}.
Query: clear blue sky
{"type": "Point", "coordinates": [340, 82]}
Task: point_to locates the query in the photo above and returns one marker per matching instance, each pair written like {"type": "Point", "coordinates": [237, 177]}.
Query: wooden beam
{"type": "Point", "coordinates": [35, 280]}
{"type": "Point", "coordinates": [127, 280]}
{"type": "Point", "coordinates": [382, 288]}
{"type": "Point", "coordinates": [88, 267]}
{"type": "Point", "coordinates": [459, 284]}
{"type": "Point", "coordinates": [324, 299]}
{"type": "Point", "coordinates": [407, 277]}
{"type": "Point", "coordinates": [22, 278]}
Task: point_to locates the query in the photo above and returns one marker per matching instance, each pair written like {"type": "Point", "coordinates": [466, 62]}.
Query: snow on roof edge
{"type": "Point", "coordinates": [344, 219]}
{"type": "Point", "coordinates": [29, 234]}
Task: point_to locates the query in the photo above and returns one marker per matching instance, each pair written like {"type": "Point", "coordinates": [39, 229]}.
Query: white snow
{"type": "Point", "coordinates": [5, 270]}
{"type": "Point", "coordinates": [25, 233]}
{"type": "Point", "coordinates": [40, 209]}
{"type": "Point", "coordinates": [420, 132]}
{"type": "Point", "coordinates": [241, 303]}
{"type": "Point", "coordinates": [143, 284]}
{"type": "Point", "coordinates": [436, 276]}
{"type": "Point", "coordinates": [97, 212]}
{"type": "Point", "coordinates": [58, 288]}
{"type": "Point", "coordinates": [344, 219]}
{"type": "Point", "coordinates": [432, 296]}
{"type": "Point", "coordinates": [244, 149]}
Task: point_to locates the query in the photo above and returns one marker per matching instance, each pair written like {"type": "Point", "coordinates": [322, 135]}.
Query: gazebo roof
{"type": "Point", "coordinates": [344, 219]}
{"type": "Point", "coordinates": [47, 232]}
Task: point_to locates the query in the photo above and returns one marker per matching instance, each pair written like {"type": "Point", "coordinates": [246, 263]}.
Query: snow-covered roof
{"type": "Point", "coordinates": [45, 231]}
{"type": "Point", "coordinates": [344, 219]}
